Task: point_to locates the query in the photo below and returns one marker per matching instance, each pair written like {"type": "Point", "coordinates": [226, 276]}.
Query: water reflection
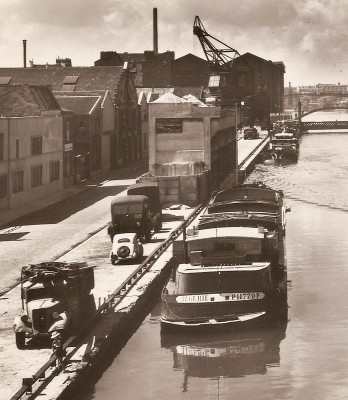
{"type": "Point", "coordinates": [229, 354]}
{"type": "Point", "coordinates": [312, 362]}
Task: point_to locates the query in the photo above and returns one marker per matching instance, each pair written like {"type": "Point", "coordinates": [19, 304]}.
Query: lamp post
{"type": "Point", "coordinates": [236, 155]}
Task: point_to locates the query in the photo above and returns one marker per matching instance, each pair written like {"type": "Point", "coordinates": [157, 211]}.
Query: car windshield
{"type": "Point", "coordinates": [122, 209]}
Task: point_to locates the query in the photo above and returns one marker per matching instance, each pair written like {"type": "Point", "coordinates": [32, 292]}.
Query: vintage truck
{"type": "Point", "coordinates": [140, 211]}
{"type": "Point", "coordinates": [151, 191]}
{"type": "Point", "coordinates": [54, 294]}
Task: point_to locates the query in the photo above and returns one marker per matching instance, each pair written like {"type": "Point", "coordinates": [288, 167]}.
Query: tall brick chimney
{"type": "Point", "coordinates": [24, 53]}
{"type": "Point", "coordinates": [155, 32]}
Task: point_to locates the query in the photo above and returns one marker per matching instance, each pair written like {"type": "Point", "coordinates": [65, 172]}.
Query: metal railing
{"type": "Point", "coordinates": [115, 298]}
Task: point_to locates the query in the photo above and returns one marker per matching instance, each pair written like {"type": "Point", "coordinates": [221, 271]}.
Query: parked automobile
{"type": "Point", "coordinates": [130, 214]}
{"type": "Point", "coordinates": [251, 133]}
{"type": "Point", "coordinates": [126, 246]}
{"type": "Point", "coordinates": [151, 191]}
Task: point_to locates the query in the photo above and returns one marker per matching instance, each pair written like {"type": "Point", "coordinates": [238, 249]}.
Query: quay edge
{"type": "Point", "coordinates": [115, 327]}
{"type": "Point", "coordinates": [248, 164]}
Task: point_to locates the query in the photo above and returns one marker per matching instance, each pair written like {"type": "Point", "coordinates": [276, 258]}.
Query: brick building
{"type": "Point", "coordinates": [150, 69]}
{"type": "Point", "coordinates": [267, 82]}
{"type": "Point", "coordinates": [190, 71]}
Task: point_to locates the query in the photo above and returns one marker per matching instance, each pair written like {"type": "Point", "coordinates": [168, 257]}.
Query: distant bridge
{"type": "Point", "coordinates": [325, 109]}
{"type": "Point", "coordinates": [316, 94]}
{"type": "Point", "coordinates": [324, 125]}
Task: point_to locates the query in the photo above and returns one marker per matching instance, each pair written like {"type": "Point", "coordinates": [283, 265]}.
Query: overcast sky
{"type": "Point", "coordinates": [309, 36]}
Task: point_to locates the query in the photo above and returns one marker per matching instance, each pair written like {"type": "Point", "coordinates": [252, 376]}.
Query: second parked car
{"type": "Point", "coordinates": [251, 133]}
{"type": "Point", "coordinates": [126, 246]}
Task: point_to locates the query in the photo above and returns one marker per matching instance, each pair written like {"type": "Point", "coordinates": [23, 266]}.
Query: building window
{"type": "Point", "coordinates": [1, 146]}
{"type": "Point", "coordinates": [3, 186]}
{"type": "Point", "coordinates": [17, 181]}
{"type": "Point", "coordinates": [54, 170]}
{"type": "Point", "coordinates": [214, 80]}
{"type": "Point", "coordinates": [36, 145]}
{"type": "Point", "coordinates": [17, 148]}
{"type": "Point", "coordinates": [36, 175]}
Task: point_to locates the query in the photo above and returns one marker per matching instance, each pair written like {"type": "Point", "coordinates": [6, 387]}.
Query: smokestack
{"type": "Point", "coordinates": [24, 53]}
{"type": "Point", "coordinates": [155, 32]}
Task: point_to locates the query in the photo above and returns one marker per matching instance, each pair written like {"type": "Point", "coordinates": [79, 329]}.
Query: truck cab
{"type": "Point", "coordinates": [52, 289]}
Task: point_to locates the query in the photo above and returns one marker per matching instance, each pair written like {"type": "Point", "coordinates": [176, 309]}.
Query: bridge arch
{"type": "Point", "coordinates": [324, 109]}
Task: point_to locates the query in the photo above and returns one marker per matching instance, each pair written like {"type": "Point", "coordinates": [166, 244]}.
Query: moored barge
{"type": "Point", "coordinates": [232, 270]}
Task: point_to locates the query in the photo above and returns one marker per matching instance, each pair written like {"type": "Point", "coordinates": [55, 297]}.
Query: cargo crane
{"type": "Point", "coordinates": [219, 59]}
{"type": "Point", "coordinates": [225, 88]}
{"type": "Point", "coordinates": [231, 80]}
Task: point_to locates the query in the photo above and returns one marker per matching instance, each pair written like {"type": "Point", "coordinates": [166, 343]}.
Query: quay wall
{"type": "Point", "coordinates": [106, 336]}
{"type": "Point", "coordinates": [248, 164]}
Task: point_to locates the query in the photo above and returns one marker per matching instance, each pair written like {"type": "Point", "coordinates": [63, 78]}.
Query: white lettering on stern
{"type": "Point", "coordinates": [219, 297]}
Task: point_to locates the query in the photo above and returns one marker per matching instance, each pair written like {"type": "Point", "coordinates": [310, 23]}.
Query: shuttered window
{"type": "Point", "coordinates": [36, 175]}
{"type": "Point", "coordinates": [17, 181]}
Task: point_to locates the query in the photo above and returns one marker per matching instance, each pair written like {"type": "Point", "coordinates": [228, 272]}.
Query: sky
{"type": "Point", "coordinates": [308, 36]}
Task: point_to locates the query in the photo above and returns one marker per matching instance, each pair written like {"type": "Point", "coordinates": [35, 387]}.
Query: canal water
{"type": "Point", "coordinates": [305, 358]}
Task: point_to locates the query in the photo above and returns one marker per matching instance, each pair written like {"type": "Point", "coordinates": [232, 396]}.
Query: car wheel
{"type": "Point", "coordinates": [20, 340]}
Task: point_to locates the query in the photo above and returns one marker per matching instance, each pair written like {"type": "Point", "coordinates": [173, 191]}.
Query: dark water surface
{"type": "Point", "coordinates": [305, 358]}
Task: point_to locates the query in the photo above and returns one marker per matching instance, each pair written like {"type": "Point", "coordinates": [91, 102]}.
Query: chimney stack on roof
{"type": "Point", "coordinates": [155, 32]}
{"type": "Point", "coordinates": [24, 53]}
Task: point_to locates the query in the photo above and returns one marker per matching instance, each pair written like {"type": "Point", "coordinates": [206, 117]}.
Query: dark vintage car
{"type": "Point", "coordinates": [130, 214]}
{"type": "Point", "coordinates": [251, 133]}
{"type": "Point", "coordinates": [151, 191]}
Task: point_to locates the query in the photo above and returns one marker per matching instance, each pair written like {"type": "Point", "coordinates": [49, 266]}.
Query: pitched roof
{"type": "Point", "coordinates": [82, 105]}
{"type": "Point", "coordinates": [192, 58]}
{"type": "Point", "coordinates": [26, 100]}
{"type": "Point", "coordinates": [253, 56]}
{"type": "Point", "coordinates": [88, 78]}
{"type": "Point", "coordinates": [170, 98]}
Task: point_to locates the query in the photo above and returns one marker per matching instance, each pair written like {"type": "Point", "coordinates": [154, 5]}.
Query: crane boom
{"type": "Point", "coordinates": [221, 57]}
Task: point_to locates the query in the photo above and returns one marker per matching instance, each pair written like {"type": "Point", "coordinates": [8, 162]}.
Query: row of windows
{"type": "Point", "coordinates": [36, 146]}
{"type": "Point", "coordinates": [36, 178]}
